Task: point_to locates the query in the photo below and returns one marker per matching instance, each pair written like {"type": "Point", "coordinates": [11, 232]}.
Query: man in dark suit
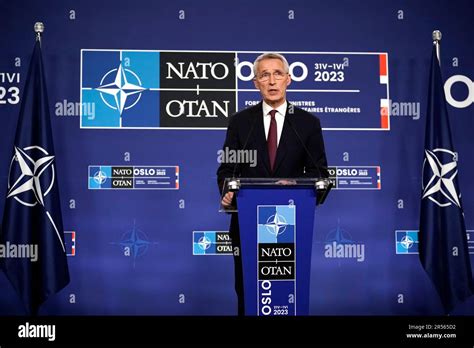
{"type": "Point", "coordinates": [288, 142]}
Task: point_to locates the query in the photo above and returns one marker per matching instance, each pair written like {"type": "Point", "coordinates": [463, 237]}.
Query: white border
{"type": "Point", "coordinates": [236, 53]}
{"type": "Point", "coordinates": [138, 177]}
{"type": "Point", "coordinates": [294, 251]}
{"type": "Point", "coordinates": [348, 177]}
{"type": "Point", "coordinates": [216, 254]}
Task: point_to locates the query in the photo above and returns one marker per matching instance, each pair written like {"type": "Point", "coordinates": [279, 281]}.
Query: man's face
{"type": "Point", "coordinates": [272, 81]}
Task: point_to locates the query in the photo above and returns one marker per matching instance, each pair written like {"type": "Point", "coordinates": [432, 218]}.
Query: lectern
{"type": "Point", "coordinates": [276, 217]}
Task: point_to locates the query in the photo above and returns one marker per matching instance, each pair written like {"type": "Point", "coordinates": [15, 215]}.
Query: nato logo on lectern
{"type": "Point", "coordinates": [276, 244]}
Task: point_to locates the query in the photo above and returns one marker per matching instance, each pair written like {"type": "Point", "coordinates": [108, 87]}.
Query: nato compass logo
{"type": "Point", "coordinates": [123, 86]}
{"type": "Point", "coordinates": [406, 242]}
{"type": "Point", "coordinates": [438, 180]}
{"type": "Point", "coordinates": [276, 242]}
{"type": "Point", "coordinates": [31, 173]}
{"type": "Point", "coordinates": [120, 89]}
{"type": "Point", "coordinates": [100, 176]}
{"type": "Point", "coordinates": [134, 243]}
{"type": "Point", "coordinates": [276, 224]}
{"type": "Point", "coordinates": [133, 177]}
{"type": "Point", "coordinates": [31, 178]}
{"type": "Point", "coordinates": [212, 243]}
{"type": "Point", "coordinates": [276, 261]}
{"type": "Point", "coordinates": [340, 245]}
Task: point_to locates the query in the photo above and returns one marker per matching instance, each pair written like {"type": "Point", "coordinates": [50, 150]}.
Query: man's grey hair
{"type": "Point", "coordinates": [270, 55]}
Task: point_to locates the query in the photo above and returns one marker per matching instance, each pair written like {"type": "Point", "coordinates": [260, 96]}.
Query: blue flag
{"type": "Point", "coordinates": [442, 240]}
{"type": "Point", "coordinates": [32, 238]}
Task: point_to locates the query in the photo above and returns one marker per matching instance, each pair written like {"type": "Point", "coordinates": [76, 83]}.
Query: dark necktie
{"type": "Point", "coordinates": [272, 140]}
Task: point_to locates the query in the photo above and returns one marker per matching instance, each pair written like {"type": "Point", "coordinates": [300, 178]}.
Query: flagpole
{"type": "Point", "coordinates": [39, 29]}
{"type": "Point", "coordinates": [443, 245]}
{"type": "Point", "coordinates": [436, 41]}
{"type": "Point", "coordinates": [32, 211]}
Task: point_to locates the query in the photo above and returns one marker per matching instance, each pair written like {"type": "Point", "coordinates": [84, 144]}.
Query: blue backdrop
{"type": "Point", "coordinates": [133, 250]}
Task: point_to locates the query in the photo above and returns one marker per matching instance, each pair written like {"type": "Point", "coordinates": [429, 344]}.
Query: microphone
{"type": "Point", "coordinates": [290, 122]}
{"type": "Point", "coordinates": [233, 184]}
{"type": "Point", "coordinates": [321, 194]}
{"type": "Point", "coordinates": [245, 144]}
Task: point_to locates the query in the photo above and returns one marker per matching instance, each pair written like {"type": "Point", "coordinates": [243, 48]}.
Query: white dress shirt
{"type": "Point", "coordinates": [279, 117]}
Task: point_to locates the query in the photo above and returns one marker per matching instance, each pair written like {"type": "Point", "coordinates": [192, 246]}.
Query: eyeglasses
{"type": "Point", "coordinates": [277, 75]}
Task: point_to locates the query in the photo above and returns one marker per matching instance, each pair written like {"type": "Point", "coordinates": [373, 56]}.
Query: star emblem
{"type": "Point", "coordinates": [136, 241]}
{"type": "Point", "coordinates": [442, 180]}
{"type": "Point", "coordinates": [120, 89]}
{"type": "Point", "coordinates": [30, 179]}
{"type": "Point", "coordinates": [100, 177]}
{"type": "Point", "coordinates": [276, 224]}
{"type": "Point", "coordinates": [407, 242]}
{"type": "Point", "coordinates": [204, 243]}
{"type": "Point", "coordinates": [339, 235]}
{"type": "Point", "coordinates": [31, 172]}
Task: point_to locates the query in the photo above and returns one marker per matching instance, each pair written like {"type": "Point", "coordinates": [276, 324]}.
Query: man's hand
{"type": "Point", "coordinates": [227, 199]}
